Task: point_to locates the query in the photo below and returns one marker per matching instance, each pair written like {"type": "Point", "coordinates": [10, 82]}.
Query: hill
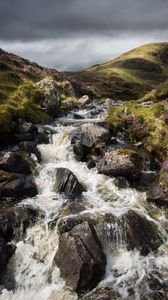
{"type": "Point", "coordinates": [129, 76]}
{"type": "Point", "coordinates": [21, 98]}
{"type": "Point", "coordinates": [14, 68]}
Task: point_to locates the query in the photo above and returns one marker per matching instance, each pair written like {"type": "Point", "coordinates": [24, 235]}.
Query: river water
{"type": "Point", "coordinates": [32, 270]}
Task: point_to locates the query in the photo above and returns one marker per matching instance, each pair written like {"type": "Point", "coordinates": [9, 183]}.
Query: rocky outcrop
{"type": "Point", "coordinates": [67, 183]}
{"type": "Point", "coordinates": [29, 148]}
{"type": "Point", "coordinates": [90, 134]}
{"type": "Point", "coordinates": [13, 224]}
{"type": "Point", "coordinates": [158, 193]}
{"type": "Point", "coordinates": [123, 163]}
{"type": "Point", "coordinates": [141, 233]}
{"type": "Point", "coordinates": [53, 91]}
{"type": "Point", "coordinates": [16, 186]}
{"type": "Point", "coordinates": [52, 96]}
{"type": "Point", "coordinates": [17, 162]}
{"type": "Point", "coordinates": [80, 257]}
{"type": "Point", "coordinates": [15, 220]}
{"type": "Point", "coordinates": [25, 131]}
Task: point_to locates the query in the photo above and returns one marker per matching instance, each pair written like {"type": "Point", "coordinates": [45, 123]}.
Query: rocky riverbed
{"type": "Point", "coordinates": [83, 214]}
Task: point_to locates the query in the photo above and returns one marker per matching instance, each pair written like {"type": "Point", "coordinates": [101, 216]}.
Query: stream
{"type": "Point", "coordinates": [32, 269]}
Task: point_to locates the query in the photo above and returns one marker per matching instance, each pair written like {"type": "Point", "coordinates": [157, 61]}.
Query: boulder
{"type": "Point", "coordinates": [81, 152]}
{"type": "Point", "coordinates": [16, 186]}
{"type": "Point", "coordinates": [67, 183]}
{"type": "Point", "coordinates": [43, 136]}
{"type": "Point", "coordinates": [90, 134]}
{"type": "Point", "coordinates": [17, 162]}
{"type": "Point", "coordinates": [30, 147]}
{"type": "Point", "coordinates": [13, 224]}
{"type": "Point", "coordinates": [84, 100]}
{"type": "Point", "coordinates": [51, 100]}
{"type": "Point", "coordinates": [27, 127]}
{"type": "Point", "coordinates": [91, 164]}
{"type": "Point", "coordinates": [21, 137]}
{"type": "Point", "coordinates": [120, 163]}
{"type": "Point", "coordinates": [67, 88]}
{"type": "Point", "coordinates": [77, 116]}
{"type": "Point", "coordinates": [6, 251]}
{"type": "Point", "coordinates": [142, 234]}
{"type": "Point", "coordinates": [80, 257]}
{"type": "Point", "coordinates": [15, 220]}
{"type": "Point", "coordinates": [158, 193]}
{"type": "Point", "coordinates": [121, 182]}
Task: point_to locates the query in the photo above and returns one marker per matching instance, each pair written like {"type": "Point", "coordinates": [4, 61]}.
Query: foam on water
{"type": "Point", "coordinates": [32, 269]}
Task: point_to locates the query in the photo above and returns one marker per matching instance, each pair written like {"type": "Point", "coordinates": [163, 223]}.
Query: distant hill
{"type": "Point", "coordinates": [129, 76]}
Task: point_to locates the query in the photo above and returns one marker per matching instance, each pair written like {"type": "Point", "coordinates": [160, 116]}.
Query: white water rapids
{"type": "Point", "coordinates": [32, 270]}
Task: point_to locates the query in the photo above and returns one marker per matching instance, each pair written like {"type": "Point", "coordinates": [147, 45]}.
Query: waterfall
{"type": "Point", "coordinates": [32, 273]}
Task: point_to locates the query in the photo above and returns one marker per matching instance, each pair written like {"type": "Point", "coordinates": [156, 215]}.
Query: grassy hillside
{"type": "Point", "coordinates": [145, 120]}
{"type": "Point", "coordinates": [13, 69]}
{"type": "Point", "coordinates": [20, 97]}
{"type": "Point", "coordinates": [129, 76]}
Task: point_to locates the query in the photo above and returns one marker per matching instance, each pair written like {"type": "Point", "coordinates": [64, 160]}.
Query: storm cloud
{"type": "Point", "coordinates": [73, 34]}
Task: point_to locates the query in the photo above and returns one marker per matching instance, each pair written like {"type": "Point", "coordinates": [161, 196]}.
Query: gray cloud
{"type": "Point", "coordinates": [76, 33]}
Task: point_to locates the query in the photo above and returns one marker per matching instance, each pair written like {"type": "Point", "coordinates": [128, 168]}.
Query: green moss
{"type": "Point", "coordinates": [23, 103]}
{"type": "Point", "coordinates": [162, 91]}
{"type": "Point", "coordinates": [126, 152]}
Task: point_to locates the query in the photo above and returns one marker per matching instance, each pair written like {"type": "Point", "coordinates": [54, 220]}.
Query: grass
{"type": "Point", "coordinates": [129, 76]}
{"type": "Point", "coordinates": [145, 124]}
{"type": "Point", "coordinates": [22, 103]}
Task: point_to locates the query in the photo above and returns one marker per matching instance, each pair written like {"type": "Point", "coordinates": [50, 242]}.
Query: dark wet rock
{"type": "Point", "coordinates": [30, 147]}
{"type": "Point", "coordinates": [17, 162]}
{"type": "Point", "coordinates": [91, 164]}
{"type": "Point", "coordinates": [142, 234]}
{"type": "Point", "coordinates": [26, 128]}
{"type": "Point", "coordinates": [121, 182]}
{"type": "Point", "coordinates": [80, 257]}
{"type": "Point", "coordinates": [101, 294]}
{"type": "Point", "coordinates": [16, 186]}
{"type": "Point", "coordinates": [81, 152]}
{"type": "Point", "coordinates": [21, 137]}
{"type": "Point", "coordinates": [15, 220]}
{"type": "Point", "coordinates": [6, 251]}
{"type": "Point", "coordinates": [13, 224]}
{"type": "Point", "coordinates": [147, 178]}
{"type": "Point", "coordinates": [78, 116]}
{"type": "Point", "coordinates": [66, 224]}
{"type": "Point", "coordinates": [158, 193]}
{"type": "Point", "coordinates": [90, 134]}
{"type": "Point", "coordinates": [131, 230]}
{"type": "Point", "coordinates": [67, 183]}
{"type": "Point", "coordinates": [43, 136]}
{"type": "Point", "coordinates": [124, 163]}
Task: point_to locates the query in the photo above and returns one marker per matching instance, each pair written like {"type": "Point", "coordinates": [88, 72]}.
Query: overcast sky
{"type": "Point", "coordinates": [74, 34]}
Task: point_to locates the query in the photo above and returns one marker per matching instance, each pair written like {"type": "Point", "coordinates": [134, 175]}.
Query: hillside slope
{"type": "Point", "coordinates": [21, 98]}
{"type": "Point", "coordinates": [14, 68]}
{"type": "Point", "coordinates": [129, 76]}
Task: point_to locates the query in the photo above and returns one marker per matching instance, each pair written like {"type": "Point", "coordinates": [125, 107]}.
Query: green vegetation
{"type": "Point", "coordinates": [24, 102]}
{"type": "Point", "coordinates": [145, 124]}
{"type": "Point", "coordinates": [129, 76]}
